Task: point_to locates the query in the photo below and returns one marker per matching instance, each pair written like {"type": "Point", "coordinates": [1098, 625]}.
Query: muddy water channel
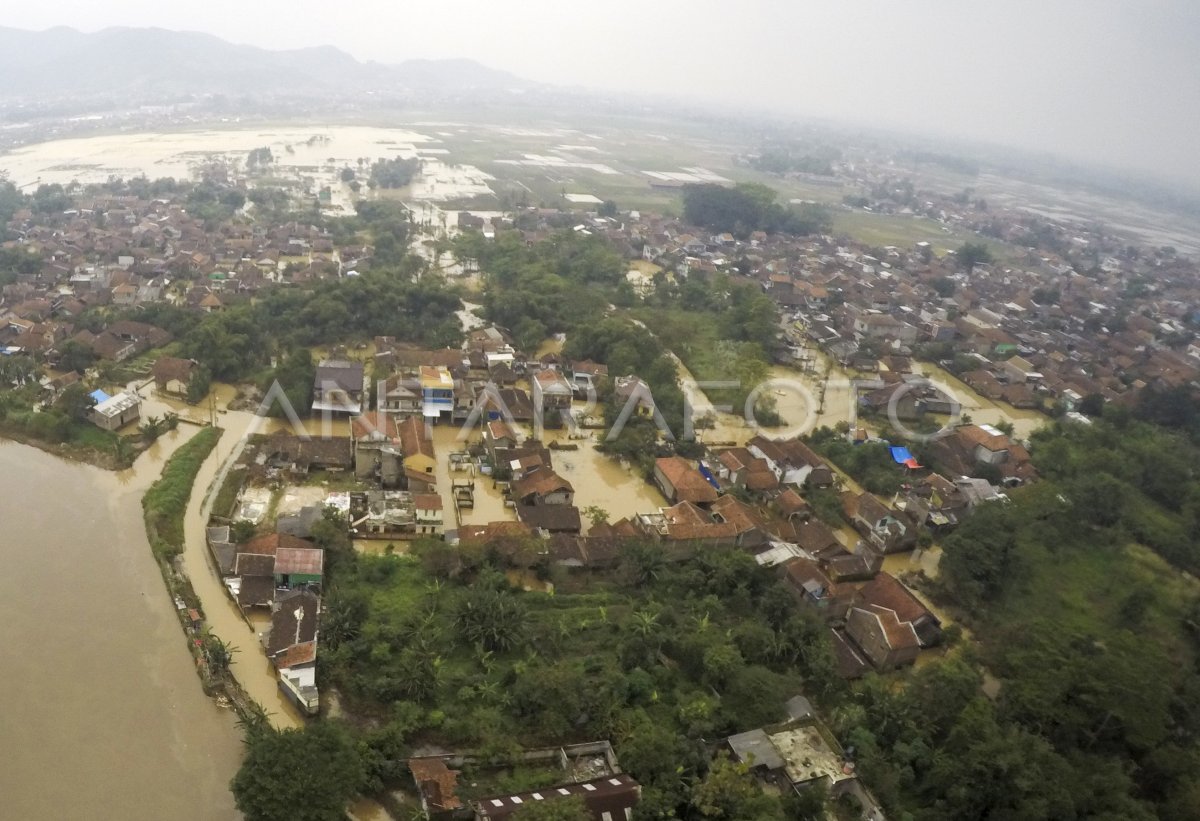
{"type": "Point", "coordinates": [249, 666]}
{"type": "Point", "coordinates": [103, 714]}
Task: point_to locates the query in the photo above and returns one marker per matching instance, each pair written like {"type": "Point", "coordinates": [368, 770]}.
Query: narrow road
{"type": "Point", "coordinates": [250, 665]}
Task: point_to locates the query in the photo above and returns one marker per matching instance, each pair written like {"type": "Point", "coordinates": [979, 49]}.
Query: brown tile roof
{"type": "Point", "coordinates": [254, 564]}
{"type": "Point", "coordinates": [551, 518]}
{"type": "Point", "coordinates": [168, 368]}
{"type": "Point", "coordinates": [309, 562]}
{"type": "Point", "coordinates": [271, 542]}
{"type": "Point", "coordinates": [286, 629]}
{"type": "Point", "coordinates": [899, 633]}
{"type": "Point", "coordinates": [814, 536]}
{"type": "Point", "coordinates": [297, 654]}
{"type": "Point", "coordinates": [739, 514]}
{"type": "Point", "coordinates": [499, 429]}
{"type": "Point", "coordinates": [864, 506]}
{"type": "Point", "coordinates": [974, 435]}
{"type": "Point", "coordinates": [790, 503]}
{"type": "Point", "coordinates": [437, 783]}
{"type": "Point", "coordinates": [800, 572]}
{"type": "Point", "coordinates": [427, 501]}
{"type": "Point", "coordinates": [375, 425]}
{"type": "Point", "coordinates": [689, 485]}
{"type": "Point", "coordinates": [850, 662]}
{"type": "Point", "coordinates": [413, 440]}
{"type": "Point", "coordinates": [540, 482]}
{"type": "Point", "coordinates": [885, 591]}
{"type": "Point", "coordinates": [256, 591]}
{"type": "Point", "coordinates": [494, 530]}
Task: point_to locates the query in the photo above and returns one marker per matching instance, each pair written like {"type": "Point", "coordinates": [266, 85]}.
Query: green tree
{"type": "Point", "coordinates": [75, 402]}
{"type": "Point", "coordinates": [308, 774]}
{"type": "Point", "coordinates": [970, 254]}
{"type": "Point", "coordinates": [75, 356]}
{"type": "Point", "coordinates": [729, 792]}
{"type": "Point", "coordinates": [199, 385]}
{"type": "Point", "coordinates": [494, 618]}
{"type": "Point", "coordinates": [944, 286]}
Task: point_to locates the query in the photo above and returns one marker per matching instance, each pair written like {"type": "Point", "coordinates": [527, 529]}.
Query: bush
{"type": "Point", "coordinates": [166, 501]}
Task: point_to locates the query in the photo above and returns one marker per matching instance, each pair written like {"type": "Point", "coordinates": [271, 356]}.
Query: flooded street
{"type": "Point", "coordinates": [985, 411]}
{"type": "Point", "coordinates": [104, 715]}
{"type": "Point", "coordinates": [249, 666]}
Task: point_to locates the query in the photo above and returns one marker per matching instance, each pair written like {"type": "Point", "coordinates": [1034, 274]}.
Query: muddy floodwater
{"type": "Point", "coordinates": [313, 155]}
{"type": "Point", "coordinates": [103, 715]}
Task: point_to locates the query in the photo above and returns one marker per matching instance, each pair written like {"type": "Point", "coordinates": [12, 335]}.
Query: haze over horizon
{"type": "Point", "coordinates": [1112, 82]}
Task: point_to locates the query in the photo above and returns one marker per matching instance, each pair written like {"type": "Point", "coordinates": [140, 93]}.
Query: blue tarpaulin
{"type": "Point", "coordinates": [99, 396]}
{"type": "Point", "coordinates": [901, 456]}
{"type": "Point", "coordinates": [707, 474]}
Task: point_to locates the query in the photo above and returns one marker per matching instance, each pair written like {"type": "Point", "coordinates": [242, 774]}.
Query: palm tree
{"type": "Point", "coordinates": [644, 623]}
{"type": "Point", "coordinates": [217, 653]}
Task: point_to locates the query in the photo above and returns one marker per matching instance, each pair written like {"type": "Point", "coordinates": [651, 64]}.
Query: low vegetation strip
{"type": "Point", "coordinates": [166, 501]}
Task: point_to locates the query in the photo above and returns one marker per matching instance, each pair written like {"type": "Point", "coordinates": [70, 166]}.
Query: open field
{"type": "Point", "coordinates": [493, 159]}
{"type": "Point", "coordinates": [906, 231]}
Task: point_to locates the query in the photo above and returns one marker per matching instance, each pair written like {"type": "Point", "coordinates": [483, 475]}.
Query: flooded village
{"type": "Point", "coordinates": [905, 383]}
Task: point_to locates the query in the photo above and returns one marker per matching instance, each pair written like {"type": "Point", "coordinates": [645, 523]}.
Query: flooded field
{"type": "Point", "coordinates": [313, 155]}
{"type": "Point", "coordinates": [104, 715]}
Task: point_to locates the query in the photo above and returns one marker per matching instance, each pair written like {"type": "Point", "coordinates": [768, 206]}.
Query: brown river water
{"type": "Point", "coordinates": [103, 715]}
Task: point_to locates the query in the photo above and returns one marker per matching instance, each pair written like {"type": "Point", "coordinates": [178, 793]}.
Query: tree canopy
{"type": "Point", "coordinates": [749, 207]}
{"type": "Point", "coordinates": [308, 774]}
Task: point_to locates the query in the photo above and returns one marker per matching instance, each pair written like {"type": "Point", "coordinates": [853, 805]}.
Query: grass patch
{"type": "Point", "coordinates": [904, 232]}
{"type": "Point", "coordinates": [227, 496]}
{"type": "Point", "coordinates": [166, 501]}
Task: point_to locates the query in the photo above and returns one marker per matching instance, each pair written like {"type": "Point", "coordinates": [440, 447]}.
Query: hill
{"type": "Point", "coordinates": [151, 62]}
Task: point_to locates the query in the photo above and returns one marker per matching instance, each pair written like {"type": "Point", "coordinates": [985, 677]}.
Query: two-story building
{"type": "Point", "coordinates": [437, 393]}
{"type": "Point", "coordinates": [338, 387]}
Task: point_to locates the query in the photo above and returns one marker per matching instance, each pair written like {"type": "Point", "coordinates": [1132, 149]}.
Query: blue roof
{"type": "Point", "coordinates": [707, 474]}
{"type": "Point", "coordinates": [900, 455]}
{"type": "Point", "coordinates": [100, 396]}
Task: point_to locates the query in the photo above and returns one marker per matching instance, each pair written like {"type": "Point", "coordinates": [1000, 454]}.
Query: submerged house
{"type": "Point", "coordinates": [292, 647]}
{"type": "Point", "coordinates": [339, 387]}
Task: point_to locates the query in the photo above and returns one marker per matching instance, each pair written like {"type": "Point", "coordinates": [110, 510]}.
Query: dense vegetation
{"type": "Point", "coordinates": [165, 503]}
{"type": "Point", "coordinates": [238, 343]}
{"type": "Point", "coordinates": [1092, 637]}
{"type": "Point", "coordinates": [723, 331]}
{"type": "Point", "coordinates": [785, 158]}
{"type": "Point", "coordinates": [870, 464]}
{"type": "Point", "coordinates": [545, 288]}
{"type": "Point", "coordinates": [654, 655]}
{"type": "Point", "coordinates": [61, 427]}
{"type": "Point", "coordinates": [393, 173]}
{"type": "Point", "coordinates": [628, 348]}
{"type": "Point", "coordinates": [307, 774]}
{"type": "Point", "coordinates": [750, 207]}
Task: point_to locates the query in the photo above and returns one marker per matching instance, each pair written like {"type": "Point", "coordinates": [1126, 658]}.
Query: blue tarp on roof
{"type": "Point", "coordinates": [99, 396]}
{"type": "Point", "coordinates": [707, 474]}
{"type": "Point", "coordinates": [900, 455]}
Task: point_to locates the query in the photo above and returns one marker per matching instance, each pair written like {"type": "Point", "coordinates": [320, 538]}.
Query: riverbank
{"type": "Point", "coordinates": [114, 460]}
{"type": "Point", "coordinates": [163, 509]}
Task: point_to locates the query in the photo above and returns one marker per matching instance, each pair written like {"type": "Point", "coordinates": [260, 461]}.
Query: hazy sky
{"type": "Point", "coordinates": [1116, 81]}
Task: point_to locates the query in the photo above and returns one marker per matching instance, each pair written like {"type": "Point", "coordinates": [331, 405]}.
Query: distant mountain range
{"type": "Point", "coordinates": [152, 62]}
